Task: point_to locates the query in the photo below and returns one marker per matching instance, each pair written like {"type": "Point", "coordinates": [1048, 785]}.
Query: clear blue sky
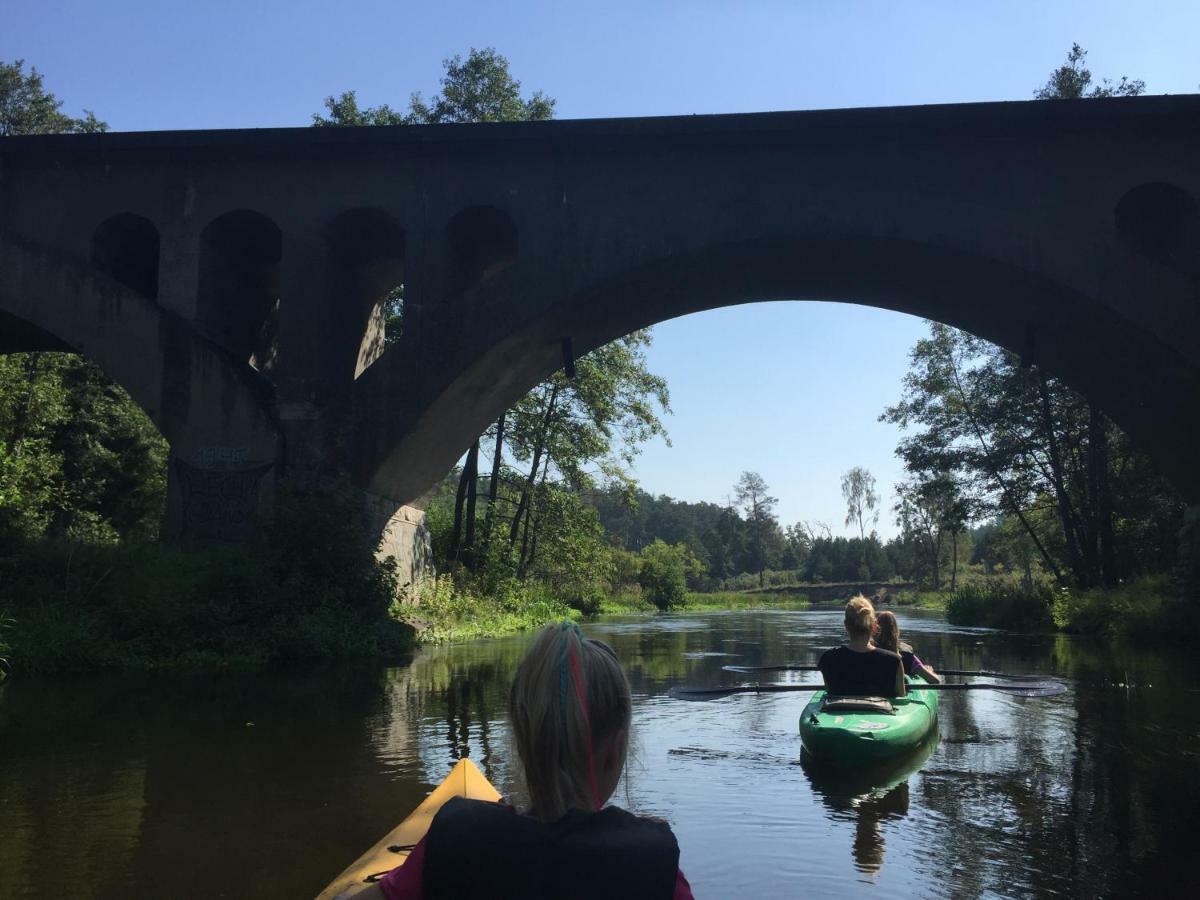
{"type": "Point", "coordinates": [788, 399]}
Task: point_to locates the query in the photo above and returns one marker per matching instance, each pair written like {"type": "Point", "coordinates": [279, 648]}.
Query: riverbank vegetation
{"type": "Point", "coordinates": [310, 589]}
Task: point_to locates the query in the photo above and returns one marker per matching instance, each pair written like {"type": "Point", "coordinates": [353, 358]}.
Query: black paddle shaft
{"type": "Point", "coordinates": [794, 667]}
{"type": "Point", "coordinates": [1036, 689]}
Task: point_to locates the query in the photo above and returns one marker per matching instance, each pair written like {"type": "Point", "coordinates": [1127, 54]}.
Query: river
{"type": "Point", "coordinates": [268, 785]}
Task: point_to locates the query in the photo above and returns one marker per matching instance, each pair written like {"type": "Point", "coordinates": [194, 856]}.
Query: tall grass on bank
{"type": "Point", "coordinates": [312, 591]}
{"type": "Point", "coordinates": [1150, 608]}
{"type": "Point", "coordinates": [1003, 604]}
{"type": "Point", "coordinates": [443, 609]}
{"type": "Point", "coordinates": [695, 601]}
{"type": "Point", "coordinates": [936, 600]}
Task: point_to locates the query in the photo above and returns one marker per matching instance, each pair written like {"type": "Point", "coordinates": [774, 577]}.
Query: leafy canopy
{"type": "Point", "coordinates": [476, 89]}
{"type": "Point", "coordinates": [26, 107]}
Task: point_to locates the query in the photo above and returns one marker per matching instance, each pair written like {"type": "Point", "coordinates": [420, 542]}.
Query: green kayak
{"type": "Point", "coordinates": [834, 734]}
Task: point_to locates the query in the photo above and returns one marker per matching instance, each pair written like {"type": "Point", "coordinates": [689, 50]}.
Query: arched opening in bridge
{"type": "Point", "coordinates": [79, 458]}
{"type": "Point", "coordinates": [1074, 339]}
{"type": "Point", "coordinates": [366, 247]}
{"type": "Point", "coordinates": [483, 241]}
{"type": "Point", "coordinates": [126, 247]}
{"type": "Point", "coordinates": [239, 279]}
{"type": "Point", "coordinates": [1162, 222]}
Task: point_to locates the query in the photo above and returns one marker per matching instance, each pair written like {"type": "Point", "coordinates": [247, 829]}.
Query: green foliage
{"type": "Point", "coordinates": [862, 500]}
{"type": "Point", "coordinates": [78, 458]}
{"type": "Point", "coordinates": [935, 600]}
{"type": "Point", "coordinates": [664, 573]}
{"type": "Point", "coordinates": [1003, 604]}
{"type": "Point", "coordinates": [26, 107]}
{"type": "Point", "coordinates": [1073, 81]}
{"type": "Point", "coordinates": [1151, 608]}
{"type": "Point", "coordinates": [477, 89]}
{"type": "Point", "coordinates": [447, 610]}
{"type": "Point", "coordinates": [312, 591]}
{"type": "Point", "coordinates": [993, 439]}
{"type": "Point", "coordinates": [696, 602]}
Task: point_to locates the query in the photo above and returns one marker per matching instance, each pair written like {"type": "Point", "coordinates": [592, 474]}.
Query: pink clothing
{"type": "Point", "coordinates": [406, 882]}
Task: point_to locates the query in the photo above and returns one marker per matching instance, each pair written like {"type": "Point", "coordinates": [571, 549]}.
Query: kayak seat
{"type": "Point", "coordinates": [858, 704]}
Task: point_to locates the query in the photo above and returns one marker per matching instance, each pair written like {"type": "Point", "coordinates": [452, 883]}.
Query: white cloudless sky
{"type": "Point", "coordinates": [801, 384]}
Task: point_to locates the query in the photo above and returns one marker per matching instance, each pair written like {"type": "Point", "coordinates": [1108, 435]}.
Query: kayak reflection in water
{"type": "Point", "coordinates": [859, 668]}
{"type": "Point", "coordinates": [870, 796]}
{"type": "Point", "coordinates": [570, 708]}
{"type": "Point", "coordinates": [887, 637]}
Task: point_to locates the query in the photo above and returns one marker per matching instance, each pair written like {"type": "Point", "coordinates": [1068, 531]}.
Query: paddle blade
{"type": "Point", "coordinates": [1035, 689]}
{"type": "Point", "coordinates": [750, 670]}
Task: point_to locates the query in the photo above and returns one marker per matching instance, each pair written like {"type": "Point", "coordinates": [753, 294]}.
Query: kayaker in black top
{"type": "Point", "coordinates": [570, 709]}
{"type": "Point", "coordinates": [859, 668]}
{"type": "Point", "coordinates": [887, 637]}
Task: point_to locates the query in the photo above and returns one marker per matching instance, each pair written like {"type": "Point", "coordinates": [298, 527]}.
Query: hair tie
{"type": "Point", "coordinates": [587, 724]}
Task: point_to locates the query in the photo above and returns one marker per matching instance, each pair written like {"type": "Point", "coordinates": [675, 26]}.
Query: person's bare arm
{"type": "Point", "coordinates": [928, 674]}
{"type": "Point", "coordinates": [901, 685]}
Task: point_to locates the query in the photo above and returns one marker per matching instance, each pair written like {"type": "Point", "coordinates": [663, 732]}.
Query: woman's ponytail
{"type": "Point", "coordinates": [860, 616]}
{"type": "Point", "coordinates": [569, 702]}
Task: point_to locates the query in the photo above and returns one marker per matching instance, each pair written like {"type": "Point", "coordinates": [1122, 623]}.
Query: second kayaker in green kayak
{"type": "Point", "coordinates": [887, 637]}
{"type": "Point", "coordinates": [859, 668]}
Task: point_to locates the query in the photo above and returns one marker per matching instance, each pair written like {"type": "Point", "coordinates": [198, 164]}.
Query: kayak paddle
{"type": "Point", "coordinates": [1032, 689]}
{"type": "Point", "coordinates": [791, 667]}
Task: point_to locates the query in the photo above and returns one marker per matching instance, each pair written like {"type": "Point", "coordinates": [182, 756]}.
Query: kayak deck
{"type": "Point", "coordinates": [464, 780]}
{"type": "Point", "coordinates": [846, 737]}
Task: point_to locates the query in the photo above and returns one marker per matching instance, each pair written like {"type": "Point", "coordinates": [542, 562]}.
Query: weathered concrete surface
{"type": "Point", "coordinates": [403, 536]}
{"type": "Point", "coordinates": [1066, 231]}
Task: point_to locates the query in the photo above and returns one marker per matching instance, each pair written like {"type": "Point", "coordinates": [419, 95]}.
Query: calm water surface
{"type": "Point", "coordinates": [267, 786]}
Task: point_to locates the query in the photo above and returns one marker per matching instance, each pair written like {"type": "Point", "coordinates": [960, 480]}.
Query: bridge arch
{"type": "Point", "coordinates": [1161, 221]}
{"type": "Point", "coordinates": [367, 250]}
{"type": "Point", "coordinates": [237, 291]}
{"type": "Point", "coordinates": [1072, 336]}
{"type": "Point", "coordinates": [126, 247]}
{"type": "Point", "coordinates": [483, 241]}
{"type": "Point", "coordinates": [211, 411]}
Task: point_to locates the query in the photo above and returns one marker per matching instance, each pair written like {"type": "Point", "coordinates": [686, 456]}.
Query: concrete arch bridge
{"type": "Point", "coordinates": [236, 282]}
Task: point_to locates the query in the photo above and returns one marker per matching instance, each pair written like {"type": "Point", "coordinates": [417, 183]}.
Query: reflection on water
{"type": "Point", "coordinates": [268, 785]}
{"type": "Point", "coordinates": [869, 797]}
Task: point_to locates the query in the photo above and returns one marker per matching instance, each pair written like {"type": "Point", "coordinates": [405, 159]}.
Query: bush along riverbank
{"type": "Point", "coordinates": [1150, 608]}
{"type": "Point", "coordinates": [310, 590]}
{"type": "Point", "coordinates": [443, 609]}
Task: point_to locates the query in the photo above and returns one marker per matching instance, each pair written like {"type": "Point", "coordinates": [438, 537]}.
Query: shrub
{"type": "Point", "coordinates": [311, 590]}
{"type": "Point", "coordinates": [1003, 604]}
{"type": "Point", "coordinates": [663, 575]}
{"type": "Point", "coordinates": [1152, 608]}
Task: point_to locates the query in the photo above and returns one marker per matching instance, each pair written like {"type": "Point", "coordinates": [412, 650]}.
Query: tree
{"type": "Point", "coordinates": [664, 573]}
{"type": "Point", "coordinates": [1073, 81]}
{"type": "Point", "coordinates": [477, 89]}
{"type": "Point", "coordinates": [26, 107]}
{"type": "Point", "coordinates": [858, 489]}
{"type": "Point", "coordinates": [758, 506]}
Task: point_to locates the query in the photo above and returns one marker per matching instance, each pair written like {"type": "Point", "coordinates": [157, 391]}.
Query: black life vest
{"type": "Point", "coordinates": [480, 849]}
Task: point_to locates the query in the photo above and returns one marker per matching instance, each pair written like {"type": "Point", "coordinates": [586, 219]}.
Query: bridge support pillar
{"type": "Point", "coordinates": [403, 535]}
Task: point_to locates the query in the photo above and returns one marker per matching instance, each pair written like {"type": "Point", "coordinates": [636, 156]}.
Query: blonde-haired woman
{"type": "Point", "coordinates": [858, 668]}
{"type": "Point", "coordinates": [887, 637]}
{"type": "Point", "coordinates": [570, 710]}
